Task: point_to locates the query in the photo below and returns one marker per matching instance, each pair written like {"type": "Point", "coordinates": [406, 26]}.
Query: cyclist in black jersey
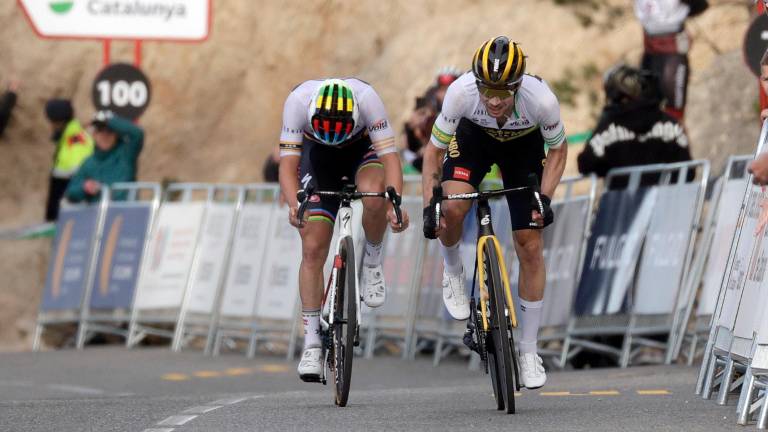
{"type": "Point", "coordinates": [497, 114]}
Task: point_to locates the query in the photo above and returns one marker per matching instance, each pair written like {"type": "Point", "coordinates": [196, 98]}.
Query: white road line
{"type": "Point", "coordinates": [176, 420]}
{"type": "Point", "coordinates": [202, 409]}
{"type": "Point", "coordinates": [192, 413]}
{"type": "Point", "coordinates": [76, 389]}
{"type": "Point", "coordinates": [229, 401]}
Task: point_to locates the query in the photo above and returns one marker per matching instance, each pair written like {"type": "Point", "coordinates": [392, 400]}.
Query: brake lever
{"type": "Point", "coordinates": [303, 196]}
{"type": "Point", "coordinates": [396, 200]}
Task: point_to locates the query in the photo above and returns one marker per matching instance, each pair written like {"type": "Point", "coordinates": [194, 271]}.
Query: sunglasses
{"type": "Point", "coordinates": [499, 92]}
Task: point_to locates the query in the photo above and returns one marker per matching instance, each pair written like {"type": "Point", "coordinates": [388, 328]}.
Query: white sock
{"type": "Point", "coordinates": [530, 317]}
{"type": "Point", "coordinates": [373, 253]}
{"type": "Point", "coordinates": [452, 258]}
{"type": "Point", "coordinates": [311, 320]}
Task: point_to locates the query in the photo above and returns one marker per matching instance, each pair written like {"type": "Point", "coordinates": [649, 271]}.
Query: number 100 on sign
{"type": "Point", "coordinates": [122, 89]}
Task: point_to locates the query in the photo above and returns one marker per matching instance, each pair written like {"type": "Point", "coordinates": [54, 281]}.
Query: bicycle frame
{"type": "Point", "coordinates": [345, 230]}
{"type": "Point", "coordinates": [485, 234]}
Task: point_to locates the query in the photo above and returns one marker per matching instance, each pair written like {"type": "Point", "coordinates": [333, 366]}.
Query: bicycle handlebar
{"type": "Point", "coordinates": [350, 194]}
{"type": "Point", "coordinates": [438, 197]}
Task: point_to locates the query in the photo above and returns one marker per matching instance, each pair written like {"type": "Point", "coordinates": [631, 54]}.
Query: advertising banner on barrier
{"type": "Point", "coordinates": [279, 283]}
{"type": "Point", "coordinates": [727, 216]}
{"type": "Point", "coordinates": [744, 263]}
{"type": "Point", "coordinates": [754, 267]}
{"type": "Point", "coordinates": [70, 258]}
{"type": "Point", "coordinates": [613, 250]}
{"type": "Point", "coordinates": [664, 253]}
{"type": "Point", "coordinates": [400, 255]}
{"type": "Point", "coordinates": [122, 247]}
{"type": "Point", "coordinates": [214, 240]}
{"type": "Point", "coordinates": [171, 251]}
{"type": "Point", "coordinates": [248, 251]}
{"type": "Point", "coordinates": [562, 244]}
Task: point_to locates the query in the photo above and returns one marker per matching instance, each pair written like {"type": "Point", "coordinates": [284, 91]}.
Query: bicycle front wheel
{"type": "Point", "coordinates": [500, 331]}
{"type": "Point", "coordinates": [344, 322]}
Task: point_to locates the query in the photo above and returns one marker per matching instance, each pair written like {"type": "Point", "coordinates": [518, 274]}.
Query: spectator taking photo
{"type": "Point", "coordinates": [118, 144]}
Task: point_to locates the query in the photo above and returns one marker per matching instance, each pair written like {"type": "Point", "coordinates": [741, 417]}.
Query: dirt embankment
{"type": "Point", "coordinates": [216, 106]}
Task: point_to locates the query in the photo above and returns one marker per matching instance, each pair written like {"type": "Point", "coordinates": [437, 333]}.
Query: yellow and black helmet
{"type": "Point", "coordinates": [499, 63]}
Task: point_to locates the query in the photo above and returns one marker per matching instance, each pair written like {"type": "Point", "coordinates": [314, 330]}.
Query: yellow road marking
{"type": "Point", "coordinates": [604, 393]}
{"type": "Point", "coordinates": [561, 393]}
{"type": "Point", "coordinates": [274, 368]}
{"type": "Point", "coordinates": [175, 377]}
{"type": "Point", "coordinates": [206, 374]}
{"type": "Point", "coordinates": [518, 394]}
{"type": "Point", "coordinates": [653, 392]}
{"type": "Point", "coordinates": [238, 371]}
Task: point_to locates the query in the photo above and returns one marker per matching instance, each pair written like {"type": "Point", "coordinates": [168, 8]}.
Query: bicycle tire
{"type": "Point", "coordinates": [493, 370]}
{"type": "Point", "coordinates": [502, 347]}
{"type": "Point", "coordinates": [344, 323]}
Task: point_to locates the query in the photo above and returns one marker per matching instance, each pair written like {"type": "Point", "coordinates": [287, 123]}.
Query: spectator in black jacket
{"type": "Point", "coordinates": [632, 129]}
{"type": "Point", "coordinates": [7, 102]}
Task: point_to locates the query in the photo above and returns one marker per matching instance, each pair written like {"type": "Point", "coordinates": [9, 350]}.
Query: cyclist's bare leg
{"type": "Point", "coordinates": [370, 178]}
{"type": "Point", "coordinates": [454, 291]}
{"type": "Point", "coordinates": [530, 252]}
{"type": "Point", "coordinates": [454, 212]}
{"type": "Point", "coordinates": [315, 241]}
{"type": "Point", "coordinates": [529, 248]}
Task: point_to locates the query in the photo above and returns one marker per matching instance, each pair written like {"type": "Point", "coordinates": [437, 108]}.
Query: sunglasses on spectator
{"type": "Point", "coordinates": [499, 92]}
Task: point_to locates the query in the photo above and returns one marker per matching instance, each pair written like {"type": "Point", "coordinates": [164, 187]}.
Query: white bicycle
{"type": "Point", "coordinates": [339, 325]}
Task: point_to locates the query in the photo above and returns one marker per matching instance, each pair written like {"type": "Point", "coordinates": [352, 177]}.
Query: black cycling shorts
{"type": "Point", "coordinates": [331, 168]}
{"type": "Point", "coordinates": [472, 152]}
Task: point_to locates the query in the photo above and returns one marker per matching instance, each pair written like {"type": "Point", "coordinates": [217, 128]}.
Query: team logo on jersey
{"type": "Point", "coordinates": [551, 127]}
{"type": "Point", "coordinates": [504, 135]}
{"type": "Point", "coordinates": [460, 173]}
{"type": "Point", "coordinates": [453, 148]}
{"type": "Point", "coordinates": [380, 125]}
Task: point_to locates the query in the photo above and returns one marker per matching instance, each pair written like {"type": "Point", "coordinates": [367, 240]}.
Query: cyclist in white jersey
{"type": "Point", "coordinates": [497, 114]}
{"type": "Point", "coordinates": [336, 132]}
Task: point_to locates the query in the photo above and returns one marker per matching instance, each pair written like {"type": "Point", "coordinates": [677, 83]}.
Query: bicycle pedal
{"type": "Point", "coordinates": [312, 378]}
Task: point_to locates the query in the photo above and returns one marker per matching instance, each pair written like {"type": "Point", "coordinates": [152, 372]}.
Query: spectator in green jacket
{"type": "Point", "coordinates": [118, 144]}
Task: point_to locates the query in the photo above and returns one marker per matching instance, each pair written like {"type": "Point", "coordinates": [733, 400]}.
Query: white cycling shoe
{"type": "Point", "coordinates": [532, 371]}
{"type": "Point", "coordinates": [455, 295]}
{"type": "Point", "coordinates": [374, 290]}
{"type": "Point", "coordinates": [311, 364]}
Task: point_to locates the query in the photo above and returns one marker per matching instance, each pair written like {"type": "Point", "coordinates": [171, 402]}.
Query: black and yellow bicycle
{"type": "Point", "coordinates": [489, 330]}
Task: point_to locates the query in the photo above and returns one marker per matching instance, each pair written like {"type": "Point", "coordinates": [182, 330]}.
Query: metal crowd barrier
{"type": "Point", "coordinates": [392, 322]}
{"type": "Point", "coordinates": [237, 313]}
{"type": "Point", "coordinates": [711, 259]}
{"type": "Point", "coordinates": [736, 355]}
{"type": "Point", "coordinates": [636, 261]}
{"type": "Point", "coordinates": [172, 292]}
{"type": "Point", "coordinates": [71, 268]}
{"type": "Point", "coordinates": [259, 275]}
{"type": "Point", "coordinates": [130, 212]}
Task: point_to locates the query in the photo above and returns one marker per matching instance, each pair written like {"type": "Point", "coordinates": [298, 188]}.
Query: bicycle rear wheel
{"type": "Point", "coordinates": [344, 322]}
{"type": "Point", "coordinates": [500, 332]}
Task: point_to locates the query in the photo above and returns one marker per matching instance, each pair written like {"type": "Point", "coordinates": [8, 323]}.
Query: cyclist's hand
{"type": "Point", "coordinates": [293, 218]}
{"type": "Point", "coordinates": [392, 218]}
{"type": "Point", "coordinates": [432, 229]}
{"type": "Point", "coordinates": [536, 215]}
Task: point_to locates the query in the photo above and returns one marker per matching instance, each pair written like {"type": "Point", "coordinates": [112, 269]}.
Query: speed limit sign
{"type": "Point", "coordinates": [123, 89]}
